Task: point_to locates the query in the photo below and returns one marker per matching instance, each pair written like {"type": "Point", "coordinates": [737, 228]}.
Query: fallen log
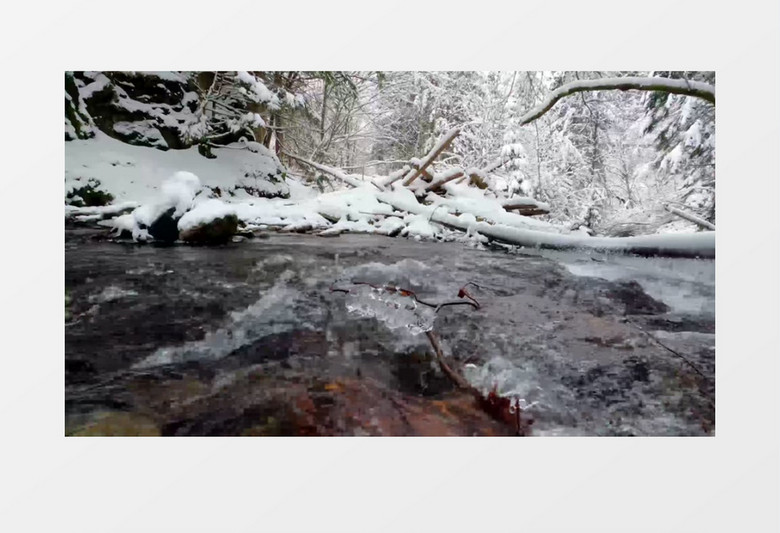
{"type": "Point", "coordinates": [432, 155]}
{"type": "Point", "coordinates": [441, 181]}
{"type": "Point", "coordinates": [328, 170]}
{"type": "Point", "coordinates": [513, 229]}
{"type": "Point", "coordinates": [694, 245]}
{"type": "Point", "coordinates": [690, 218]}
{"type": "Point", "coordinates": [528, 210]}
{"type": "Point", "coordinates": [526, 206]}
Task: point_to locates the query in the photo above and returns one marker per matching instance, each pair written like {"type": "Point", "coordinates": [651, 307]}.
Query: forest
{"type": "Point", "coordinates": [552, 234]}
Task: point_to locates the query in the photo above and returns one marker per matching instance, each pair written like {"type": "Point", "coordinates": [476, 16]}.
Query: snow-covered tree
{"type": "Point", "coordinates": [683, 129]}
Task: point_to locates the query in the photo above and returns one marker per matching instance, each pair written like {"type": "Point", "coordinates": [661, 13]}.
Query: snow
{"type": "Point", "coordinates": [257, 90]}
{"type": "Point", "coordinates": [177, 192]}
{"type": "Point", "coordinates": [450, 172]}
{"type": "Point", "coordinates": [673, 158]}
{"type": "Point", "coordinates": [358, 203]}
{"type": "Point", "coordinates": [611, 83]}
{"type": "Point", "coordinates": [702, 243]}
{"type": "Point", "coordinates": [100, 210]}
{"type": "Point", "coordinates": [166, 75]}
{"type": "Point", "coordinates": [70, 131]}
{"type": "Point", "coordinates": [136, 173]}
{"type": "Point", "coordinates": [127, 223]}
{"type": "Point", "coordinates": [526, 200]}
{"type": "Point", "coordinates": [464, 198]}
{"type": "Point", "coordinates": [390, 225]}
{"type": "Point", "coordinates": [205, 212]}
{"type": "Point", "coordinates": [100, 83]}
{"type": "Point", "coordinates": [165, 115]}
{"type": "Point", "coordinates": [186, 181]}
{"type": "Point", "coordinates": [418, 226]}
{"type": "Point", "coordinates": [143, 128]}
{"type": "Point", "coordinates": [358, 226]}
{"type": "Point", "coordinates": [693, 135]}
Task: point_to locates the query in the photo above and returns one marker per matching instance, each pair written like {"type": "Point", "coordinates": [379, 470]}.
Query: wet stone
{"type": "Point", "coordinates": [258, 344]}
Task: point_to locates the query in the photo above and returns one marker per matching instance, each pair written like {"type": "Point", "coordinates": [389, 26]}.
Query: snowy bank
{"type": "Point", "coordinates": [136, 173]}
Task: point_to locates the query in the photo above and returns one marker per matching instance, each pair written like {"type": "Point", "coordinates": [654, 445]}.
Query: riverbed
{"type": "Point", "coordinates": [249, 339]}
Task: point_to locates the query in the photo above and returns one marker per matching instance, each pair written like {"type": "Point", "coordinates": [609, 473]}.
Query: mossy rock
{"type": "Point", "coordinates": [89, 195]}
{"type": "Point", "coordinates": [218, 231]}
{"type": "Point", "coordinates": [119, 424]}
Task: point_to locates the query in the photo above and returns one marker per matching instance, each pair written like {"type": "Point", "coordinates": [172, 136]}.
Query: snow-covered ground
{"type": "Point", "coordinates": [136, 173]}
{"type": "Point", "coordinates": [155, 180]}
{"type": "Point", "coordinates": [233, 182]}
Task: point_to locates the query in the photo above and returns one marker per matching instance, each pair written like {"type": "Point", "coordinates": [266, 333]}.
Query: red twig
{"type": "Point", "coordinates": [498, 407]}
{"type": "Point", "coordinates": [408, 293]}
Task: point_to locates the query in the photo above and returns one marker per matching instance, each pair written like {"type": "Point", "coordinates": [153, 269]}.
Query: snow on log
{"type": "Point", "coordinates": [496, 164]}
{"type": "Point", "coordinates": [684, 87]}
{"type": "Point", "coordinates": [328, 170]}
{"type": "Point", "coordinates": [445, 177]}
{"type": "Point", "coordinates": [432, 155]}
{"type": "Point", "coordinates": [692, 245]}
{"type": "Point", "coordinates": [691, 218]}
{"type": "Point", "coordinates": [526, 206]}
{"type": "Point", "coordinates": [508, 227]}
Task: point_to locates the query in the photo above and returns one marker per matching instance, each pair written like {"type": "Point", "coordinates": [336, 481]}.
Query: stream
{"type": "Point", "coordinates": [248, 339]}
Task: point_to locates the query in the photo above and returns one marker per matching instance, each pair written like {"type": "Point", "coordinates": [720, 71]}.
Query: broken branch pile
{"type": "Point", "coordinates": [448, 199]}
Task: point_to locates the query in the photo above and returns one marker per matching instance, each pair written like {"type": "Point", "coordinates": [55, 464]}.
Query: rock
{"type": "Point", "coordinates": [635, 299]}
{"type": "Point", "coordinates": [140, 108]}
{"type": "Point", "coordinates": [218, 231]}
{"type": "Point", "coordinates": [119, 424]}
{"type": "Point", "coordinates": [257, 404]}
{"type": "Point", "coordinates": [165, 228]}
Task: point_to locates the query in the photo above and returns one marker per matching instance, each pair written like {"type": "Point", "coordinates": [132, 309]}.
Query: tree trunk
{"type": "Point", "coordinates": [691, 218]}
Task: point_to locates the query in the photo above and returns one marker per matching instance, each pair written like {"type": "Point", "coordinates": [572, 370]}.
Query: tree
{"type": "Point", "coordinates": [684, 134]}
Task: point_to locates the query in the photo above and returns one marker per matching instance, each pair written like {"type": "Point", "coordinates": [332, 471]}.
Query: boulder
{"type": "Point", "coordinates": [217, 231]}
{"type": "Point", "coordinates": [141, 108]}
{"type": "Point", "coordinates": [165, 228]}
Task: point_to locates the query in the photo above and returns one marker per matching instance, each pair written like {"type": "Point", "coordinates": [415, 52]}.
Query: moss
{"type": "Point", "coordinates": [89, 195]}
{"type": "Point", "coordinates": [204, 149]}
{"type": "Point", "coordinates": [119, 424]}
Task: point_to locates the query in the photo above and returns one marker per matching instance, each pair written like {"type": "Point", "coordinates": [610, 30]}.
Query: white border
{"type": "Point", "coordinates": [726, 483]}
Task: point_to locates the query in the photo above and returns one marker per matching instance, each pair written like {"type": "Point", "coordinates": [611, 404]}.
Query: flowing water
{"type": "Point", "coordinates": [250, 338]}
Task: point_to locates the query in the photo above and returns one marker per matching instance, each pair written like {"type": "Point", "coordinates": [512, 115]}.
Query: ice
{"type": "Point", "coordinates": [508, 380]}
{"type": "Point", "coordinates": [275, 312]}
{"type": "Point", "coordinates": [392, 309]}
{"type": "Point", "coordinates": [111, 293]}
{"type": "Point", "coordinates": [685, 285]}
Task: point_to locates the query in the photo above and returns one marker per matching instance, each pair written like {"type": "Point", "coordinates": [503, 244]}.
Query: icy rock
{"type": "Point", "coordinates": [392, 309]}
